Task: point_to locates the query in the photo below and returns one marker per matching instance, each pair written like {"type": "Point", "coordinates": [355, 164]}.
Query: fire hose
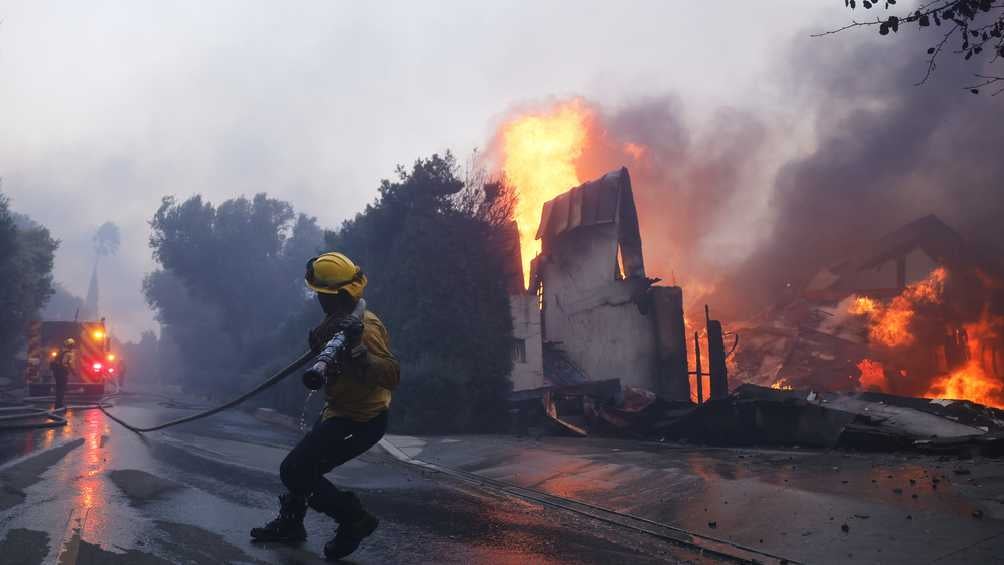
{"type": "Point", "coordinates": [17, 412]}
{"type": "Point", "coordinates": [25, 410]}
{"type": "Point", "coordinates": [267, 383]}
{"type": "Point", "coordinates": [314, 376]}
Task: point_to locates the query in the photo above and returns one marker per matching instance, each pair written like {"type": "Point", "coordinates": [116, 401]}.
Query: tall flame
{"type": "Point", "coordinates": [890, 325]}
{"type": "Point", "coordinates": [872, 375]}
{"type": "Point", "coordinates": [539, 153]}
{"type": "Point", "coordinates": [973, 381]}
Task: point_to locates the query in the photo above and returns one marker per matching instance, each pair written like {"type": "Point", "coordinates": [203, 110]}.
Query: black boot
{"type": "Point", "coordinates": [354, 523]}
{"type": "Point", "coordinates": [288, 526]}
{"type": "Point", "coordinates": [350, 535]}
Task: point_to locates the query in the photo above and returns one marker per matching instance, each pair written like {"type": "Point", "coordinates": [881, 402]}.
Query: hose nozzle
{"type": "Point", "coordinates": [315, 377]}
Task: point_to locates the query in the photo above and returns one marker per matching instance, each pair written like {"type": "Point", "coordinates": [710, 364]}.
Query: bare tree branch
{"type": "Point", "coordinates": [978, 25]}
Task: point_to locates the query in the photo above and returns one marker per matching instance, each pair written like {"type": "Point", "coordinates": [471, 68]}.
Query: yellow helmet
{"type": "Point", "coordinates": [333, 272]}
{"type": "Point", "coordinates": [70, 342]}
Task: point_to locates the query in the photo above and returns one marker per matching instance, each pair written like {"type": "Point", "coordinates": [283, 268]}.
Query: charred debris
{"type": "Point", "coordinates": [602, 349]}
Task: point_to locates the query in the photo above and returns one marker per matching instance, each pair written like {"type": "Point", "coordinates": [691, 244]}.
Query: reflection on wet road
{"type": "Point", "coordinates": [815, 507]}
{"type": "Point", "coordinates": [91, 492]}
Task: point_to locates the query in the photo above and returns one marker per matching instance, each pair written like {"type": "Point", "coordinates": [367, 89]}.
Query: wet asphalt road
{"type": "Point", "coordinates": [93, 493]}
{"type": "Point", "coordinates": [805, 505]}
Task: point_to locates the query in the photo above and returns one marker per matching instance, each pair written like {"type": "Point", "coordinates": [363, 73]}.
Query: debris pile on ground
{"type": "Point", "coordinates": [754, 415]}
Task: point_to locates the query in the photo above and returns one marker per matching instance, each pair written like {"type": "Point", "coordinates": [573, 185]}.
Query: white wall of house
{"type": "Point", "coordinates": [591, 315]}
{"type": "Point", "coordinates": [528, 356]}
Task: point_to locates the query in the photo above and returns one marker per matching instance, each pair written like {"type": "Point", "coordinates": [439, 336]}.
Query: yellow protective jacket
{"type": "Point", "coordinates": [363, 390]}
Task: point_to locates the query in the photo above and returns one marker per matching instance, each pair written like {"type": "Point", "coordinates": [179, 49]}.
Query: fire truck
{"type": "Point", "coordinates": [96, 363]}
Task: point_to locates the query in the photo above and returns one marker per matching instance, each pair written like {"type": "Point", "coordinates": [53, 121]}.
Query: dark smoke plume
{"type": "Point", "coordinates": [887, 153]}
{"type": "Point", "coordinates": [684, 180]}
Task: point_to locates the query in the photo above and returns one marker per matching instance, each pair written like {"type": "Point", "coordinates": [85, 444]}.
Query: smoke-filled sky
{"type": "Point", "coordinates": [107, 106]}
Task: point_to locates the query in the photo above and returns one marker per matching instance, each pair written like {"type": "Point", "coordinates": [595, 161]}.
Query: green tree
{"type": "Point", "coordinates": [209, 356]}
{"type": "Point", "coordinates": [429, 245]}
{"type": "Point", "coordinates": [231, 276]}
{"type": "Point", "coordinates": [26, 258]}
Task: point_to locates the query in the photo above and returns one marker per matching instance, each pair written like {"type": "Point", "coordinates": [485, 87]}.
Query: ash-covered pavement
{"type": "Point", "coordinates": [808, 506]}
{"type": "Point", "coordinates": [94, 493]}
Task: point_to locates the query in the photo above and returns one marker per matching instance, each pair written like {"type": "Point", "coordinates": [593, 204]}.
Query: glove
{"type": "Point", "coordinates": [355, 350]}
{"type": "Point", "coordinates": [316, 337]}
{"type": "Point", "coordinates": [326, 330]}
{"type": "Point", "coordinates": [353, 329]}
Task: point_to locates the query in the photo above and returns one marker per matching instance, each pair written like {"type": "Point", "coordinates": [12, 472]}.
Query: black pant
{"type": "Point", "coordinates": [329, 444]}
{"type": "Point", "coordinates": [59, 381]}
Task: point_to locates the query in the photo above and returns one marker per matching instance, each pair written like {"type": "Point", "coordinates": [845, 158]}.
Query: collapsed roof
{"type": "Point", "coordinates": [942, 244]}
{"type": "Point", "coordinates": [606, 200]}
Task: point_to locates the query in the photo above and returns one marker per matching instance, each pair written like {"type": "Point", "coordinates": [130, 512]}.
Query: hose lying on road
{"type": "Point", "coordinates": [25, 410]}
{"type": "Point", "coordinates": [271, 381]}
{"type": "Point", "coordinates": [19, 412]}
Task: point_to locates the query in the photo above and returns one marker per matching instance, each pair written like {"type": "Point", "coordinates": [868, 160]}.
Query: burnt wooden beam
{"type": "Point", "coordinates": [716, 358]}
{"type": "Point", "coordinates": [674, 383]}
{"type": "Point", "coordinates": [697, 367]}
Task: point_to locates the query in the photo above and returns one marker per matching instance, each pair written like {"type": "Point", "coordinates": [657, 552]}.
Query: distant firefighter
{"type": "Point", "coordinates": [357, 382]}
{"type": "Point", "coordinates": [121, 372]}
{"type": "Point", "coordinates": [62, 366]}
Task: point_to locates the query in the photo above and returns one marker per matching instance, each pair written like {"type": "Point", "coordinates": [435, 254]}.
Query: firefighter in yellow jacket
{"type": "Point", "coordinates": [62, 366]}
{"type": "Point", "coordinates": [354, 417]}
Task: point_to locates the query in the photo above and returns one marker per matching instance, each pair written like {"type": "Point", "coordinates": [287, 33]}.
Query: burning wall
{"type": "Point", "coordinates": [547, 149]}
{"type": "Point", "coordinates": [588, 305]}
{"type": "Point", "coordinates": [597, 309]}
{"type": "Point", "coordinates": [838, 195]}
{"type": "Point", "coordinates": [543, 155]}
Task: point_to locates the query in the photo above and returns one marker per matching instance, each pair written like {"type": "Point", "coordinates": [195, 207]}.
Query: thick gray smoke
{"type": "Point", "coordinates": [685, 178]}
{"type": "Point", "coordinates": [107, 239]}
{"type": "Point", "coordinates": [887, 153]}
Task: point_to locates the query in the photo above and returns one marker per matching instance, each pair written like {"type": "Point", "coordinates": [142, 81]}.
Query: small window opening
{"type": "Point", "coordinates": [519, 350]}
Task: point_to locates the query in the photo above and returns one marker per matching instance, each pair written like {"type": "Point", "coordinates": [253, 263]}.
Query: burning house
{"type": "Point", "coordinates": [916, 313]}
{"type": "Point", "coordinates": [912, 318]}
{"type": "Point", "coordinates": [590, 313]}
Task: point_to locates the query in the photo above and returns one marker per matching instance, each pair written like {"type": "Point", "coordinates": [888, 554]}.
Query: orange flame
{"type": "Point", "coordinates": [539, 153]}
{"type": "Point", "coordinates": [890, 325]}
{"type": "Point", "coordinates": [781, 384]}
{"type": "Point", "coordinates": [872, 375]}
{"type": "Point", "coordinates": [973, 381]}
{"type": "Point", "coordinates": [969, 383]}
{"type": "Point", "coordinates": [863, 305]}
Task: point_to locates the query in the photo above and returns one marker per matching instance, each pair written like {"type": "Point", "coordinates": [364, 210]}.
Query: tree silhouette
{"type": "Point", "coordinates": [431, 248]}
{"type": "Point", "coordinates": [106, 240]}
{"type": "Point", "coordinates": [969, 29]}
{"type": "Point", "coordinates": [26, 258]}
